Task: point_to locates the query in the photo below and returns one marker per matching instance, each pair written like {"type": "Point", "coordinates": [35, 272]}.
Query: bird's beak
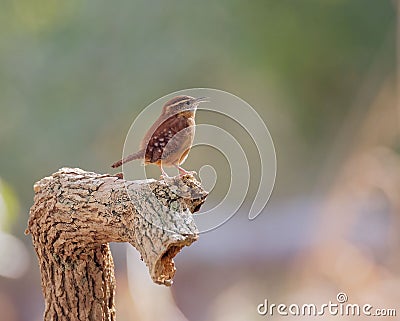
{"type": "Point", "coordinates": [202, 100]}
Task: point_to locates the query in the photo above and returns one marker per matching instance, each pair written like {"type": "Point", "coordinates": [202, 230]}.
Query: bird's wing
{"type": "Point", "coordinates": [160, 134]}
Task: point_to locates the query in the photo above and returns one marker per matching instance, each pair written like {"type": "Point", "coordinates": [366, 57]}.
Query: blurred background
{"type": "Point", "coordinates": [322, 75]}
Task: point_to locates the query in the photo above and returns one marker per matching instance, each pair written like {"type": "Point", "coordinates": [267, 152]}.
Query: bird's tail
{"type": "Point", "coordinates": [137, 155]}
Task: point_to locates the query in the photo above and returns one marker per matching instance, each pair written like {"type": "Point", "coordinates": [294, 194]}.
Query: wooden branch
{"type": "Point", "coordinates": [77, 213]}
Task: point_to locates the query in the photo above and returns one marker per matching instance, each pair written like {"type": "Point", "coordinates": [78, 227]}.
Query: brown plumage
{"type": "Point", "coordinates": [169, 139]}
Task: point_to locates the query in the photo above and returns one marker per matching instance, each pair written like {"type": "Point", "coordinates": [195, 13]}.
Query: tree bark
{"type": "Point", "coordinates": [77, 213]}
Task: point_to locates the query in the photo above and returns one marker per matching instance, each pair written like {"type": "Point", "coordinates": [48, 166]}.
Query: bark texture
{"type": "Point", "coordinates": [77, 213]}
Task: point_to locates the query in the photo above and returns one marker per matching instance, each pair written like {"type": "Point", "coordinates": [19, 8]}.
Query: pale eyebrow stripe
{"type": "Point", "coordinates": [179, 102]}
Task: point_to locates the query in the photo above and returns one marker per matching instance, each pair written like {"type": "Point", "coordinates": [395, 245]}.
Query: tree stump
{"type": "Point", "coordinates": [77, 213]}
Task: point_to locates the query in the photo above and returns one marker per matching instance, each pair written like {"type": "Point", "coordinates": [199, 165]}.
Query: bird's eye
{"type": "Point", "coordinates": [188, 103]}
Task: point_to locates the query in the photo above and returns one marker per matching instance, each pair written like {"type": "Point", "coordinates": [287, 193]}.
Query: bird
{"type": "Point", "coordinates": [169, 140]}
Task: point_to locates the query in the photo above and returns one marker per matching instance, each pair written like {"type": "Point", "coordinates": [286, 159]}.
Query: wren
{"type": "Point", "coordinates": [177, 114]}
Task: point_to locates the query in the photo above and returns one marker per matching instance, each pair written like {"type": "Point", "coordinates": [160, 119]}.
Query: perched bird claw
{"type": "Point", "coordinates": [165, 177]}
{"type": "Point", "coordinates": [191, 173]}
{"type": "Point", "coordinates": [183, 172]}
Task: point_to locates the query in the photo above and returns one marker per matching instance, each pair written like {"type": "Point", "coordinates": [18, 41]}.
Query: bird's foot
{"type": "Point", "coordinates": [191, 173]}
{"type": "Point", "coordinates": [164, 174]}
{"type": "Point", "coordinates": [183, 172]}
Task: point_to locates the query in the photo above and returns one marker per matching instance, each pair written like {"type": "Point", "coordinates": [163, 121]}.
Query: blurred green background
{"type": "Point", "coordinates": [74, 75]}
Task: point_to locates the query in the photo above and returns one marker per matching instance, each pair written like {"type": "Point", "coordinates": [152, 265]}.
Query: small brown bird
{"type": "Point", "coordinates": [176, 126]}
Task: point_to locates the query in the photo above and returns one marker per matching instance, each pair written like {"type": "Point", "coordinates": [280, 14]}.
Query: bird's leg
{"type": "Point", "coordinates": [183, 171]}
{"type": "Point", "coordinates": [163, 173]}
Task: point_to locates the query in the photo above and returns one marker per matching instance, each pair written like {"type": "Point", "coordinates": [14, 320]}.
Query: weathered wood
{"type": "Point", "coordinates": [77, 213]}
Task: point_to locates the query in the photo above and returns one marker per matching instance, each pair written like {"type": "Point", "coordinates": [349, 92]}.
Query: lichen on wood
{"type": "Point", "coordinates": [77, 213]}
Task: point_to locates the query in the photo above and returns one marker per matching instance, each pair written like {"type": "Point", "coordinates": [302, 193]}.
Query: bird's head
{"type": "Point", "coordinates": [182, 104]}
